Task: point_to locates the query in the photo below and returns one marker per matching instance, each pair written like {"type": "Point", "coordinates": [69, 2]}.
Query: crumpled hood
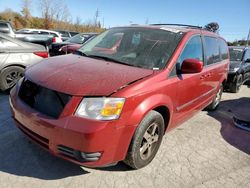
{"type": "Point", "coordinates": [78, 75]}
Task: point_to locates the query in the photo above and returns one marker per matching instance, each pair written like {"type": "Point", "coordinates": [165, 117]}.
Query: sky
{"type": "Point", "coordinates": [233, 16]}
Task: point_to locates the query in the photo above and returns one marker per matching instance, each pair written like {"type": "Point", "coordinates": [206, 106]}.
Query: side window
{"type": "Point", "coordinates": [44, 33]}
{"type": "Point", "coordinates": [34, 32]}
{"type": "Point", "coordinates": [246, 55]}
{"type": "Point", "coordinates": [192, 50]}
{"type": "Point", "coordinates": [223, 49]}
{"type": "Point", "coordinates": [212, 52]}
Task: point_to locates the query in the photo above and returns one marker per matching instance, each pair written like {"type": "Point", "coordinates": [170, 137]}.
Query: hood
{"type": "Point", "coordinates": [78, 75]}
{"type": "Point", "coordinates": [234, 64]}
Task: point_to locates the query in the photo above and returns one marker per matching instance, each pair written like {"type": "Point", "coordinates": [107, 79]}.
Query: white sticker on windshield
{"type": "Point", "coordinates": [237, 49]}
{"type": "Point", "coordinates": [170, 29]}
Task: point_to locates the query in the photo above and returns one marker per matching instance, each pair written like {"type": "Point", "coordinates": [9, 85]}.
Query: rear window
{"type": "Point", "coordinates": [212, 52]}
{"type": "Point", "coordinates": [3, 25]}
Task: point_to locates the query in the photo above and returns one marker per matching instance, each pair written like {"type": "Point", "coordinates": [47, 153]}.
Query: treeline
{"type": "Point", "coordinates": [54, 15]}
{"type": "Point", "coordinates": [239, 43]}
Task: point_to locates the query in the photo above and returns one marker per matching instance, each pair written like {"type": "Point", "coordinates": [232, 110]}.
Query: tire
{"type": "Point", "coordinates": [146, 141]}
{"type": "Point", "coordinates": [216, 101]}
{"type": "Point", "coordinates": [235, 86]}
{"type": "Point", "coordinates": [9, 77]}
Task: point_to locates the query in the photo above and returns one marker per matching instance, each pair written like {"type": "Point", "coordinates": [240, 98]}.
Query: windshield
{"type": "Point", "coordinates": [236, 54]}
{"type": "Point", "coordinates": [140, 47]}
{"type": "Point", "coordinates": [79, 38]}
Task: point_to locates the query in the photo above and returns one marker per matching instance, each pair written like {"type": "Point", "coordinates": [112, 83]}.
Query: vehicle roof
{"type": "Point", "coordinates": [46, 30]}
{"type": "Point", "coordinates": [174, 28]}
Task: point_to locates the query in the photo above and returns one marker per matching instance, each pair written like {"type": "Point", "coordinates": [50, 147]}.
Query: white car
{"type": "Point", "coordinates": [56, 35]}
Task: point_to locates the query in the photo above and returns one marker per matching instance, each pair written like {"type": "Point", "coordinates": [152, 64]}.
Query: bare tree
{"type": "Point", "coordinates": [78, 23]}
{"type": "Point", "coordinates": [26, 9]}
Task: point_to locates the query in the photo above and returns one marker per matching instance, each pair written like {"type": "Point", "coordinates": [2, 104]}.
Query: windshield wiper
{"type": "Point", "coordinates": [109, 59]}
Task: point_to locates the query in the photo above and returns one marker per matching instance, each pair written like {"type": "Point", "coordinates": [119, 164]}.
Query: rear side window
{"type": "Point", "coordinates": [223, 49]}
{"type": "Point", "coordinates": [212, 52]}
{"type": "Point", "coordinates": [192, 50]}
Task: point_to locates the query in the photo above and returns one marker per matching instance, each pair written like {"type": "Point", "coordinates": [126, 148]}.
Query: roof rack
{"type": "Point", "coordinates": [180, 25]}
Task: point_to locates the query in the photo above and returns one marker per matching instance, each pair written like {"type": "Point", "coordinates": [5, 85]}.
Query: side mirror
{"type": "Point", "coordinates": [189, 66]}
{"type": "Point", "coordinates": [247, 61]}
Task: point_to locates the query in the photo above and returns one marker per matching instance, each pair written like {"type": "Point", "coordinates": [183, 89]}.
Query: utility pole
{"type": "Point", "coordinates": [248, 37]}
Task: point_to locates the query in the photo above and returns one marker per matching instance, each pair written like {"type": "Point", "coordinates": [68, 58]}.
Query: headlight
{"type": "Point", "coordinates": [100, 108]}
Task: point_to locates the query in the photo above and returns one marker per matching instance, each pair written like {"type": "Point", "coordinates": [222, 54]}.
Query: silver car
{"type": "Point", "coordinates": [15, 56]}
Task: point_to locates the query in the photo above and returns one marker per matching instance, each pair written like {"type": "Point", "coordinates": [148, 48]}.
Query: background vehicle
{"type": "Point", "coordinates": [37, 36]}
{"type": "Point", "coordinates": [239, 71]}
{"type": "Point", "coordinates": [66, 34]}
{"type": "Point", "coordinates": [53, 35]}
{"type": "Point", "coordinates": [6, 28]}
{"type": "Point", "coordinates": [117, 105]}
{"type": "Point", "coordinates": [15, 55]}
{"type": "Point", "coordinates": [78, 39]}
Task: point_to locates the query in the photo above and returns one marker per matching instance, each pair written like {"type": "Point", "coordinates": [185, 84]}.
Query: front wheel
{"type": "Point", "coordinates": [146, 141]}
{"type": "Point", "coordinates": [216, 101]}
{"type": "Point", "coordinates": [235, 86]}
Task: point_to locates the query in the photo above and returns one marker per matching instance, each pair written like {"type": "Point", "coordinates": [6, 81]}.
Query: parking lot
{"type": "Point", "coordinates": [206, 151]}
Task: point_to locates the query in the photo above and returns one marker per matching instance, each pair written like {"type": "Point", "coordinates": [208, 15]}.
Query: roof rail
{"type": "Point", "coordinates": [181, 25]}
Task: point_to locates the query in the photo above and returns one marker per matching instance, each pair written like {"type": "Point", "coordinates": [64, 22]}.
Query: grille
{"type": "Point", "coordinates": [44, 142]}
{"type": "Point", "coordinates": [46, 101]}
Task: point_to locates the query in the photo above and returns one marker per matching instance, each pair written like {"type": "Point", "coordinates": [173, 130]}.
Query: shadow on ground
{"type": "Point", "coordinates": [224, 114]}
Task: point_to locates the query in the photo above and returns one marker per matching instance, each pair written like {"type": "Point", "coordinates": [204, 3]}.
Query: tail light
{"type": "Point", "coordinates": [42, 54]}
{"type": "Point", "coordinates": [53, 39]}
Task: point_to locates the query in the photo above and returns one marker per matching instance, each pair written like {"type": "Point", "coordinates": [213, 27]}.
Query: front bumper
{"type": "Point", "coordinates": [82, 141]}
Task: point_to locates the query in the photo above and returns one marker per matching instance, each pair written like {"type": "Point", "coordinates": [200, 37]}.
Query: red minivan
{"type": "Point", "coordinates": [97, 107]}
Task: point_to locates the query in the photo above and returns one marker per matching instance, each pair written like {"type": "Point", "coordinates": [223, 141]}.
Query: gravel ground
{"type": "Point", "coordinates": [206, 151]}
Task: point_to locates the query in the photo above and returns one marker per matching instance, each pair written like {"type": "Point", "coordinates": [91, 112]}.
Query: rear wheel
{"type": "Point", "coordinates": [9, 77]}
{"type": "Point", "coordinates": [146, 141]}
{"type": "Point", "coordinates": [235, 86]}
{"type": "Point", "coordinates": [216, 101]}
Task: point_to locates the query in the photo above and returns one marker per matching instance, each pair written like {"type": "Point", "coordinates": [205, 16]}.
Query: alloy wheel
{"type": "Point", "coordinates": [149, 141]}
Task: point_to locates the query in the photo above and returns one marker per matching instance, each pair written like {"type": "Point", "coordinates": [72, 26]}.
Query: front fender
{"type": "Point", "coordinates": [148, 104]}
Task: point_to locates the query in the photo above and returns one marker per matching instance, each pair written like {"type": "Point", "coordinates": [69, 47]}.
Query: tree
{"type": "Point", "coordinates": [26, 12]}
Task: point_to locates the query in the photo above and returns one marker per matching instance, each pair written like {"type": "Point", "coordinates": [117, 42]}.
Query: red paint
{"type": "Point", "coordinates": [182, 95]}
{"type": "Point", "coordinates": [191, 66]}
{"type": "Point", "coordinates": [71, 48]}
